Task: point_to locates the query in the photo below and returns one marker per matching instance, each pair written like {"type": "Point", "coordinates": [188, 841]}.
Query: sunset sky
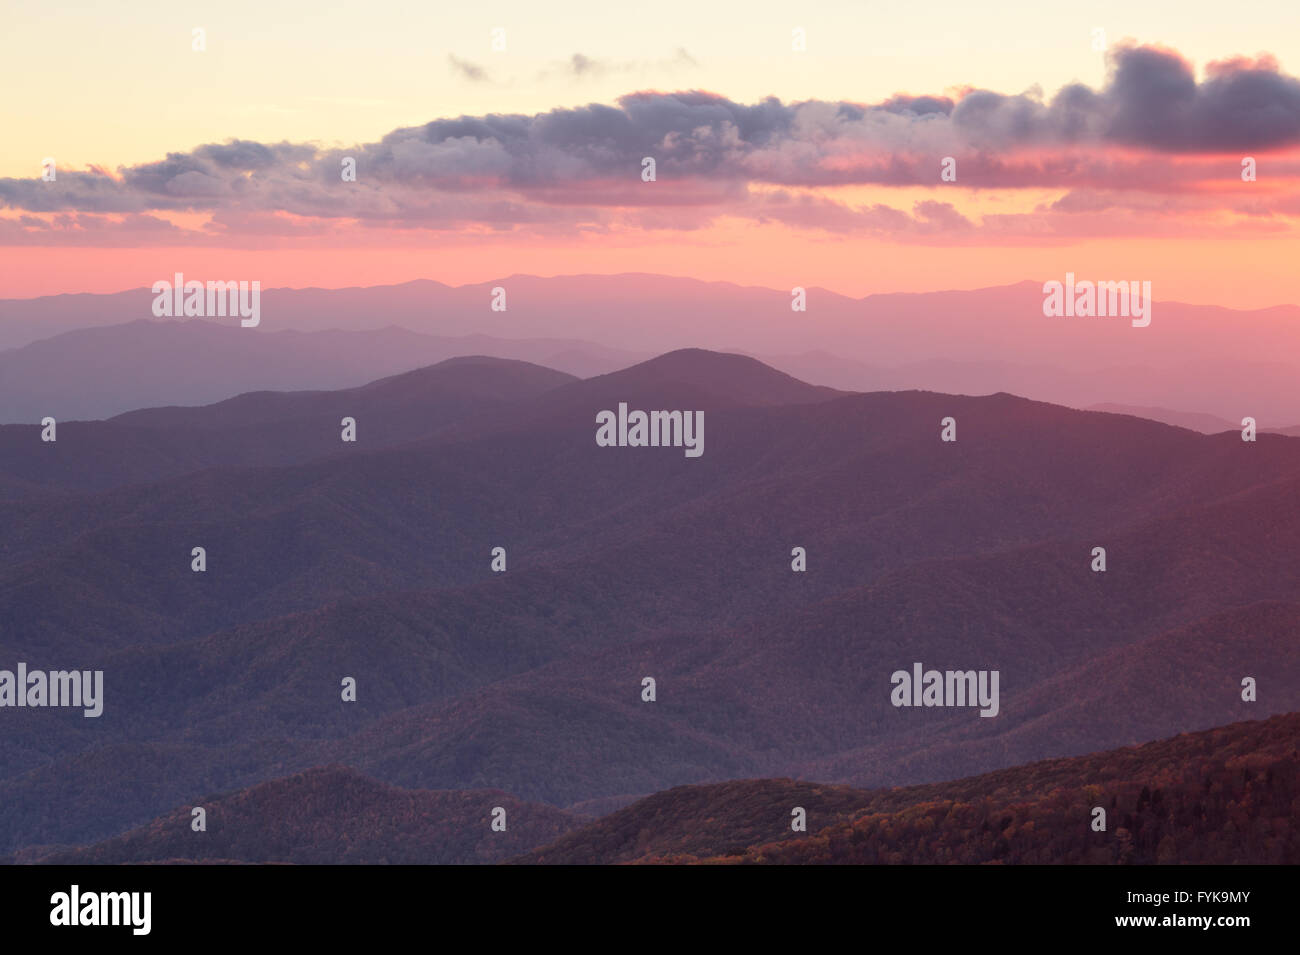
{"type": "Point", "coordinates": [775, 166]}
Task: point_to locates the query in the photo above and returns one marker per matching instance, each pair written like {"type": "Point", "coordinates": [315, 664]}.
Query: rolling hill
{"type": "Point", "coordinates": [334, 816]}
{"type": "Point", "coordinates": [1225, 795]}
{"type": "Point", "coordinates": [1220, 796]}
{"type": "Point", "coordinates": [264, 429]}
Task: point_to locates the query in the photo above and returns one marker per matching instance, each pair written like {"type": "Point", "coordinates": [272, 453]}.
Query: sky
{"type": "Point", "coordinates": [501, 137]}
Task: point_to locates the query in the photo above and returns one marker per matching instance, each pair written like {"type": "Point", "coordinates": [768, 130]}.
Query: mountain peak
{"type": "Point", "coordinates": [718, 378]}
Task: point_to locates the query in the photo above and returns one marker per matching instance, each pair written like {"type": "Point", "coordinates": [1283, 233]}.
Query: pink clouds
{"type": "Point", "coordinates": [1151, 130]}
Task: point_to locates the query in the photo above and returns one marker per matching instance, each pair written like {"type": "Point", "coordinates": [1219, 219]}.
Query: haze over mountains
{"type": "Point", "coordinates": [373, 561]}
{"type": "Point", "coordinates": [1204, 423]}
{"type": "Point", "coordinates": [100, 372]}
{"type": "Point", "coordinates": [1197, 360]}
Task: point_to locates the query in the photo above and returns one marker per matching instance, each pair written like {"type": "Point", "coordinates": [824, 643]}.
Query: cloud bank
{"type": "Point", "coordinates": [1152, 129]}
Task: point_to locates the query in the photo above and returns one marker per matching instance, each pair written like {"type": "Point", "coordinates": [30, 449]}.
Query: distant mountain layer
{"type": "Point", "coordinates": [1202, 359]}
{"type": "Point", "coordinates": [1220, 796]}
{"type": "Point", "coordinates": [1204, 423]}
{"type": "Point", "coordinates": [103, 371]}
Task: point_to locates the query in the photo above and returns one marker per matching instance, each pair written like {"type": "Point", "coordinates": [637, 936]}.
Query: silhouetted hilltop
{"type": "Point", "coordinates": [1222, 796]}
{"type": "Point", "coordinates": [333, 815]}
{"type": "Point", "coordinates": [264, 428]}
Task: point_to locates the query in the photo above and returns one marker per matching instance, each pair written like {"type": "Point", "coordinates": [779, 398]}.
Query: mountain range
{"type": "Point", "coordinates": [374, 560]}
{"type": "Point", "coordinates": [99, 355]}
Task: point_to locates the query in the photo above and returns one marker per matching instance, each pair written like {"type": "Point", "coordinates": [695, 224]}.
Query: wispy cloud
{"type": "Point", "coordinates": [470, 71]}
{"type": "Point", "coordinates": [580, 66]}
